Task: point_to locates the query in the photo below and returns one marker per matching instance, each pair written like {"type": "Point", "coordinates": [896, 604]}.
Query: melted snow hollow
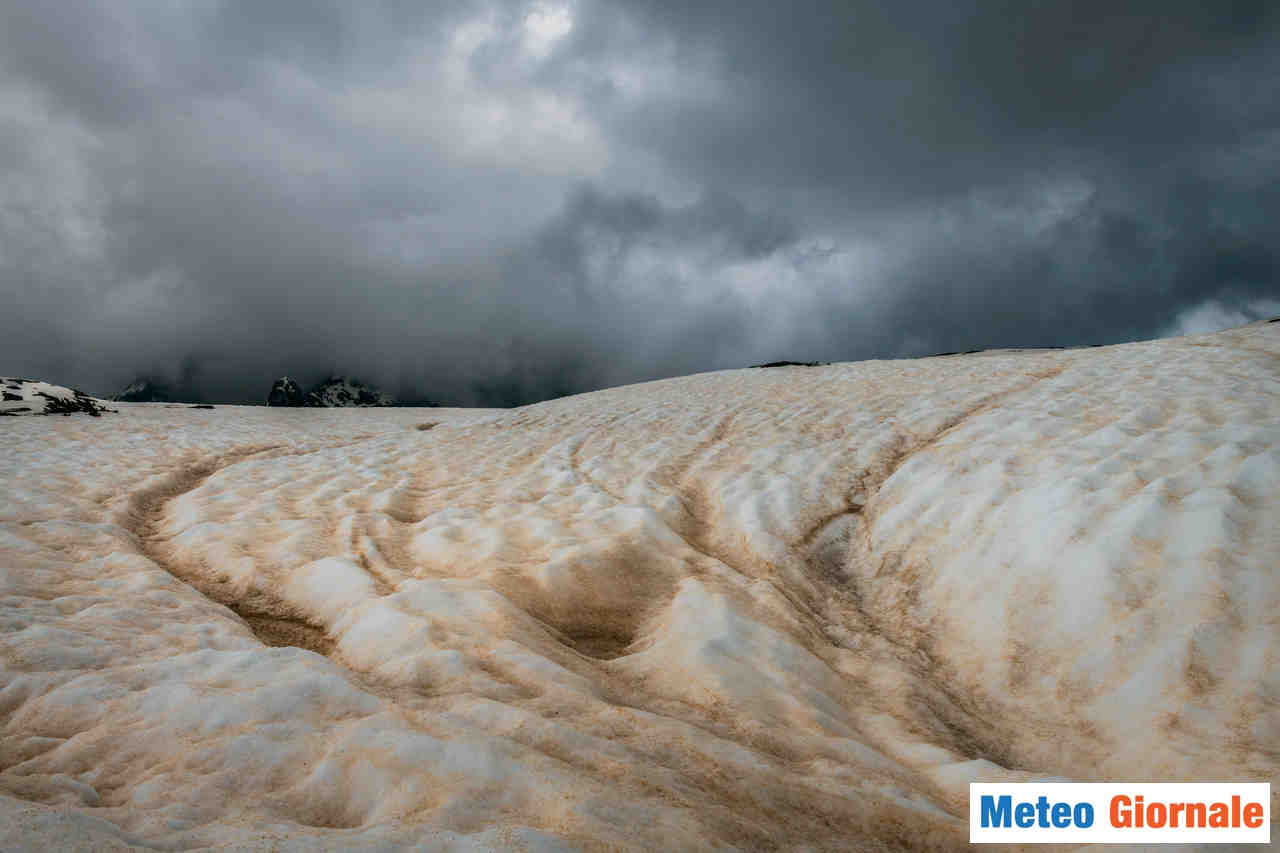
{"type": "Point", "coordinates": [803, 606]}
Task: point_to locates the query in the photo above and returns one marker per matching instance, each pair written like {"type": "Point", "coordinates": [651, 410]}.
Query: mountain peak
{"type": "Point", "coordinates": [334, 392]}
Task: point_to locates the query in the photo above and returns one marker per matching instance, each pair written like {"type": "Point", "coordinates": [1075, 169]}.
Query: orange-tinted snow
{"type": "Point", "coordinates": [755, 609]}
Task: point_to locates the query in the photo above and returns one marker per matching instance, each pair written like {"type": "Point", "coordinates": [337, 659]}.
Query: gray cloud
{"type": "Point", "coordinates": [504, 201]}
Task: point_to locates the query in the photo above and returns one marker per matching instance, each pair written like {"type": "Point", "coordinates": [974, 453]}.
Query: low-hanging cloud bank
{"type": "Point", "coordinates": [500, 202]}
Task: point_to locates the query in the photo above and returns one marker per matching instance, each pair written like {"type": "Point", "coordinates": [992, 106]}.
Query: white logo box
{"type": "Point", "coordinates": [1244, 803]}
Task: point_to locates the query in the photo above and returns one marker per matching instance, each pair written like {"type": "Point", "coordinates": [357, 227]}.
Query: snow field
{"type": "Point", "coordinates": [755, 608]}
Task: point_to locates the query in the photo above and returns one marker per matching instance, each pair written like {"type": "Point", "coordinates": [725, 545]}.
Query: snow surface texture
{"type": "Point", "coordinates": [791, 608]}
{"type": "Point", "coordinates": [32, 397]}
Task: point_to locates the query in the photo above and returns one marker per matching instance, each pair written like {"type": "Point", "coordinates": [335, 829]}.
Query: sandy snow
{"type": "Point", "coordinates": [755, 609]}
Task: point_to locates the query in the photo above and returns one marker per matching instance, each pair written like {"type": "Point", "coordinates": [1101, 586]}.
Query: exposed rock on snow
{"type": "Point", "coordinates": [333, 393]}
{"type": "Point", "coordinates": [338, 391]}
{"type": "Point", "coordinates": [792, 364]}
{"type": "Point", "coordinates": [32, 397]}
{"type": "Point", "coordinates": [145, 391]}
{"type": "Point", "coordinates": [285, 392]}
{"type": "Point", "coordinates": [754, 609]}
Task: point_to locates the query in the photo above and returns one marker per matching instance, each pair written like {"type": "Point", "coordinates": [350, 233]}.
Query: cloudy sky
{"type": "Point", "coordinates": [496, 202]}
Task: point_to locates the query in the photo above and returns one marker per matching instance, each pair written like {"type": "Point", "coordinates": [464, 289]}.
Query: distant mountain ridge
{"type": "Point", "coordinates": [338, 391]}
{"type": "Point", "coordinates": [333, 393]}
{"type": "Point", "coordinates": [144, 390]}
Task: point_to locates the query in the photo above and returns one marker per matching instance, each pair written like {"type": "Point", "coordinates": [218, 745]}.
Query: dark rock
{"type": "Point", "coordinates": [81, 402]}
{"type": "Point", "coordinates": [145, 390]}
{"type": "Point", "coordinates": [334, 392]}
{"type": "Point", "coordinates": [340, 392]}
{"type": "Point", "coordinates": [793, 364]}
{"type": "Point", "coordinates": [285, 392]}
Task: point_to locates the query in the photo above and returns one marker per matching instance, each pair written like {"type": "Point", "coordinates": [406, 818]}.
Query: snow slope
{"type": "Point", "coordinates": [755, 609]}
{"type": "Point", "coordinates": [33, 397]}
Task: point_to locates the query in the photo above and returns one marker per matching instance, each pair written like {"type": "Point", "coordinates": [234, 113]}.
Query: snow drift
{"type": "Point", "coordinates": [755, 609]}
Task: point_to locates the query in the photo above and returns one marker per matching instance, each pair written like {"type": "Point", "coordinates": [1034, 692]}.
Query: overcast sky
{"type": "Point", "coordinates": [496, 202]}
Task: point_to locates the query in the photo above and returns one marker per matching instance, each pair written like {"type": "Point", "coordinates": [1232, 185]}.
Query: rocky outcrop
{"type": "Point", "coordinates": [334, 392]}
{"type": "Point", "coordinates": [339, 391]}
{"type": "Point", "coordinates": [33, 397]}
{"type": "Point", "coordinates": [793, 364]}
{"type": "Point", "coordinates": [285, 392]}
{"type": "Point", "coordinates": [145, 391]}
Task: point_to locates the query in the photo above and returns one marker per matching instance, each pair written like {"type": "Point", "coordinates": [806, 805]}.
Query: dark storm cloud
{"type": "Point", "coordinates": [504, 201]}
{"type": "Point", "coordinates": [885, 102]}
